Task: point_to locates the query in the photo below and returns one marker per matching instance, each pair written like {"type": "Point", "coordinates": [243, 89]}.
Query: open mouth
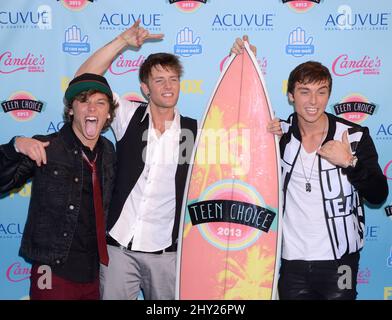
{"type": "Point", "coordinates": [311, 110]}
{"type": "Point", "coordinates": [91, 125]}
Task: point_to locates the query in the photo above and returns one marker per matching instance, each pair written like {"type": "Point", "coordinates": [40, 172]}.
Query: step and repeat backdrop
{"type": "Point", "coordinates": [43, 42]}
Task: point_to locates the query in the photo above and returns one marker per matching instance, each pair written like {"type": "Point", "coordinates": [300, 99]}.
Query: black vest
{"type": "Point", "coordinates": [130, 165]}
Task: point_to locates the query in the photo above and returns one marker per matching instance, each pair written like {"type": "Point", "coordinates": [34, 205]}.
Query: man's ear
{"type": "Point", "coordinates": [145, 89]}
{"type": "Point", "coordinates": [291, 97]}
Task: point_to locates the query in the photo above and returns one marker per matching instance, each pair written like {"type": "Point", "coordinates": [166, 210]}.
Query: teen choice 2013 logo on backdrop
{"type": "Point", "coordinates": [355, 108]}
{"type": "Point", "coordinates": [231, 215]}
{"type": "Point", "coordinates": [22, 106]}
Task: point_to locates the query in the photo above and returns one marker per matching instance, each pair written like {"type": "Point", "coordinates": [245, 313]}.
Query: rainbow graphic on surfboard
{"type": "Point", "coordinates": [230, 233]}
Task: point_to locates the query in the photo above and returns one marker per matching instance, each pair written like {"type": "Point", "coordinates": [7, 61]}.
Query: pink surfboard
{"type": "Point", "coordinates": [230, 232]}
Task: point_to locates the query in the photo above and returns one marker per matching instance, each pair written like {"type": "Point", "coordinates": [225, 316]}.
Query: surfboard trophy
{"type": "Point", "coordinates": [230, 231]}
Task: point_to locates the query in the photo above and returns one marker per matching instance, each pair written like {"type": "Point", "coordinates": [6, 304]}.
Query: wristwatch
{"type": "Point", "coordinates": [353, 162]}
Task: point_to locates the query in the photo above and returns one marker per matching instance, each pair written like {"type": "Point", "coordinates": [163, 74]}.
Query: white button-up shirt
{"type": "Point", "coordinates": [147, 216]}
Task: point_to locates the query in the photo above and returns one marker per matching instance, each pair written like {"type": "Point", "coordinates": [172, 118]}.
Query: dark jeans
{"type": "Point", "coordinates": [319, 280]}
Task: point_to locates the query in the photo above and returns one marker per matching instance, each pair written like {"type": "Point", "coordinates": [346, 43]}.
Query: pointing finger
{"type": "Point", "coordinates": [34, 154]}
{"type": "Point", "coordinates": [156, 36]}
{"type": "Point", "coordinates": [43, 153]}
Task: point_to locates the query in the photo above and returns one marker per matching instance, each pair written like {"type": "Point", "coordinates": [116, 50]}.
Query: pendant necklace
{"type": "Point", "coordinates": [308, 185]}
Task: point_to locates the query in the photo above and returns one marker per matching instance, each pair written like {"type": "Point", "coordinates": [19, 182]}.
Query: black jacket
{"type": "Point", "coordinates": [55, 194]}
{"type": "Point", "coordinates": [343, 190]}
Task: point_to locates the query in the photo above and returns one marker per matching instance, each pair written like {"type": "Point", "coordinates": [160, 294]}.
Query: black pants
{"type": "Point", "coordinates": [319, 280]}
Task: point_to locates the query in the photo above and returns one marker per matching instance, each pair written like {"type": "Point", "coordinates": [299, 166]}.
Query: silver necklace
{"type": "Point", "coordinates": [308, 185]}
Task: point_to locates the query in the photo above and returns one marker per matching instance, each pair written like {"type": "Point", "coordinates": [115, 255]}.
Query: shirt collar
{"type": "Point", "coordinates": [176, 121]}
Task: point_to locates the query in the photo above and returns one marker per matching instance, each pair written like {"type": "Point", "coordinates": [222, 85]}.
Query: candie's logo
{"type": "Point", "coordinates": [10, 63]}
{"type": "Point", "coordinates": [187, 6]}
{"type": "Point", "coordinates": [22, 106]}
{"type": "Point", "coordinates": [345, 65]}
{"type": "Point", "coordinates": [17, 272]}
{"type": "Point", "coordinates": [75, 5]}
{"type": "Point", "coordinates": [301, 6]}
{"type": "Point", "coordinates": [355, 108]}
{"type": "Point", "coordinates": [124, 64]}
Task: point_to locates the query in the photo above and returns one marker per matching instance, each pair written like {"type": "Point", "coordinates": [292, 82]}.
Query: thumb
{"type": "Point", "coordinates": [245, 38]}
{"type": "Point", "coordinates": [45, 144]}
{"type": "Point", "coordinates": [345, 138]}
